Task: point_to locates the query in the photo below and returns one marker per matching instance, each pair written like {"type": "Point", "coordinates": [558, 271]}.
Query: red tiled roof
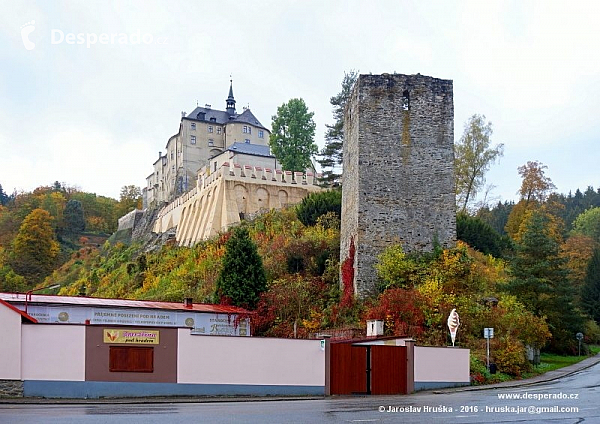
{"type": "Point", "coordinates": [20, 312]}
{"type": "Point", "coordinates": [119, 303]}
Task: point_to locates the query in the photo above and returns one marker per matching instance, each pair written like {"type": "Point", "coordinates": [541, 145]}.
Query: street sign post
{"type": "Point", "coordinates": [488, 333]}
{"type": "Point", "coordinates": [579, 338]}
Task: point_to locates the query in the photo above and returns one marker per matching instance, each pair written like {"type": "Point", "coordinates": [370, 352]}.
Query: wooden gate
{"type": "Point", "coordinates": [367, 369]}
{"type": "Point", "coordinates": [388, 370]}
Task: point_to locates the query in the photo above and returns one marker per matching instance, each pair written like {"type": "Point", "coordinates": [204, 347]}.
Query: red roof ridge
{"type": "Point", "coordinates": [20, 312]}
{"type": "Point", "coordinates": [126, 303]}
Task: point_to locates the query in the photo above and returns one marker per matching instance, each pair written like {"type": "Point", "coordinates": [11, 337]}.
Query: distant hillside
{"type": "Point", "coordinates": [40, 230]}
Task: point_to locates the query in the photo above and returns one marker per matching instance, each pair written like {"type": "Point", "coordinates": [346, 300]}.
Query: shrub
{"type": "Point", "coordinates": [316, 204]}
{"type": "Point", "coordinates": [510, 357]}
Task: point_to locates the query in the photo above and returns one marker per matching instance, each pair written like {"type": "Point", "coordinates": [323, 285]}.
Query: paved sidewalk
{"type": "Point", "coordinates": [542, 378]}
{"type": "Point", "coordinates": [549, 376]}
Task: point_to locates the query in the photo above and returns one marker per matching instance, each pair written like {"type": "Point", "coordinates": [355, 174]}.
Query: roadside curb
{"type": "Point", "coordinates": [151, 400]}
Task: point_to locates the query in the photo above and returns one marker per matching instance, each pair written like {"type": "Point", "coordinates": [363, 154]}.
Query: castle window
{"type": "Point", "coordinates": [193, 139]}
{"type": "Point", "coordinates": [193, 126]}
{"type": "Point", "coordinates": [211, 142]}
{"type": "Point", "coordinates": [247, 130]}
{"type": "Point", "coordinates": [261, 134]}
{"type": "Point", "coordinates": [247, 141]}
{"type": "Point", "coordinates": [218, 130]}
{"type": "Point", "coordinates": [210, 128]}
{"type": "Point", "coordinates": [405, 100]}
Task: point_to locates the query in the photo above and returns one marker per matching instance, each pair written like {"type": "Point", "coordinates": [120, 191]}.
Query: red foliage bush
{"type": "Point", "coordinates": [347, 299]}
{"type": "Point", "coordinates": [401, 312]}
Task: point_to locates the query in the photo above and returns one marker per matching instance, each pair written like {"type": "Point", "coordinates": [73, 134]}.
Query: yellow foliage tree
{"type": "Point", "coordinates": [34, 249]}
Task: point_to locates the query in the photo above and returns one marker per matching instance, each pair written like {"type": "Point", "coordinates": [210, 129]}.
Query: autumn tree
{"type": "Point", "coordinates": [100, 212]}
{"type": "Point", "coordinates": [292, 139]}
{"type": "Point", "coordinates": [588, 223]}
{"type": "Point", "coordinates": [535, 185]}
{"type": "Point", "coordinates": [577, 251]}
{"type": "Point", "coordinates": [331, 155]}
{"type": "Point", "coordinates": [9, 280]}
{"type": "Point", "coordinates": [473, 155]}
{"type": "Point", "coordinates": [34, 249]}
{"type": "Point", "coordinates": [242, 278]}
{"type": "Point", "coordinates": [130, 199]}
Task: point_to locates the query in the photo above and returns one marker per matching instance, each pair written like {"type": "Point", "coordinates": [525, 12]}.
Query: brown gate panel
{"type": "Point", "coordinates": [388, 370]}
{"type": "Point", "coordinates": [348, 369]}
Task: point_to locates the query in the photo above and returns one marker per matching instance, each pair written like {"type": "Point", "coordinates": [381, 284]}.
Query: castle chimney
{"type": "Point", "coordinates": [183, 114]}
{"type": "Point", "coordinates": [187, 302]}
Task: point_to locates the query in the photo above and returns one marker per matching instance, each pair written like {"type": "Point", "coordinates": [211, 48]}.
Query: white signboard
{"type": "Point", "coordinates": [200, 323]}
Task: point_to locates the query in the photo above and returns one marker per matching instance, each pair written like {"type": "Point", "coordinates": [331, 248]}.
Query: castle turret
{"type": "Point", "coordinates": [230, 101]}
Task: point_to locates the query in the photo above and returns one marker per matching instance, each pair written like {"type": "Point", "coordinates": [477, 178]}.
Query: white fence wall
{"type": "Point", "coordinates": [53, 352]}
{"type": "Point", "coordinates": [441, 367]}
{"type": "Point", "coordinates": [249, 361]}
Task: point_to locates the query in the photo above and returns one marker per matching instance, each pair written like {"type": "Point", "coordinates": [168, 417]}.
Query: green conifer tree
{"type": "Point", "coordinates": [242, 278]}
{"type": "Point", "coordinates": [540, 281]}
{"type": "Point", "coordinates": [590, 292]}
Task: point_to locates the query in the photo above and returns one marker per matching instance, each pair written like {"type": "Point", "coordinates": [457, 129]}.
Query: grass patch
{"type": "Point", "coordinates": [548, 362]}
{"type": "Point", "coordinates": [551, 361]}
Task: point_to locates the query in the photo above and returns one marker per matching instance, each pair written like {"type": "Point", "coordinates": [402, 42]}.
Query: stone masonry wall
{"type": "Point", "coordinates": [398, 182]}
{"type": "Point", "coordinates": [11, 388]}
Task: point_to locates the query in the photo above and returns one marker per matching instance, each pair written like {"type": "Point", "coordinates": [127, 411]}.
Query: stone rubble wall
{"type": "Point", "coordinates": [11, 388]}
{"type": "Point", "coordinates": [398, 181]}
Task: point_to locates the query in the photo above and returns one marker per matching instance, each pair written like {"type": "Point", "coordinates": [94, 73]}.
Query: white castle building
{"type": "Point", "coordinates": [203, 135]}
{"type": "Point", "coordinates": [218, 170]}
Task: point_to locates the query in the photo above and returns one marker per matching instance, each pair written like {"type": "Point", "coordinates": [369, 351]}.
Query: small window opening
{"type": "Point", "coordinates": [405, 100]}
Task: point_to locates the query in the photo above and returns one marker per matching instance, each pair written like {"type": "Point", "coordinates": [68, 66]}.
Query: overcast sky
{"type": "Point", "coordinates": [96, 116]}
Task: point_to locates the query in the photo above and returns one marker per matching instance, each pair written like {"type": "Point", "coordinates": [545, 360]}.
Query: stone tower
{"type": "Point", "coordinates": [398, 181]}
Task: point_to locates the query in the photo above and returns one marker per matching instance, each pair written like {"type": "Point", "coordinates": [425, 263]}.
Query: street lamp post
{"type": "Point", "coordinates": [29, 292]}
